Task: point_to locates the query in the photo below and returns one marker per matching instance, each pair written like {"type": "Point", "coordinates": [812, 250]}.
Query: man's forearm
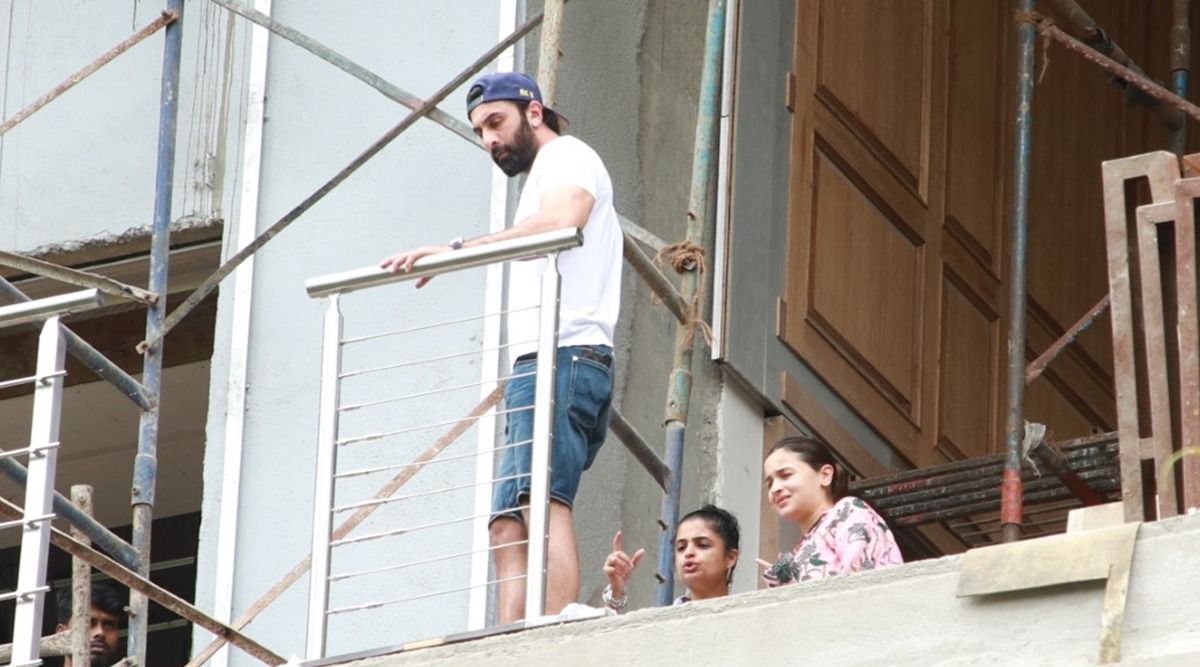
{"type": "Point", "coordinates": [534, 224]}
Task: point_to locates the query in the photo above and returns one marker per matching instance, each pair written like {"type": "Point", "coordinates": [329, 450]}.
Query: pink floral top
{"type": "Point", "coordinates": [849, 537]}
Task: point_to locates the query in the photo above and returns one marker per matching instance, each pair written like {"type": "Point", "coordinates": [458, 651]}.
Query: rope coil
{"type": "Point", "coordinates": [683, 257]}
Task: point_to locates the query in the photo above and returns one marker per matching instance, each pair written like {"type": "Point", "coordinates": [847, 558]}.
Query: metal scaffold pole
{"type": "Point", "coordinates": [145, 466]}
{"type": "Point", "coordinates": [679, 389]}
{"type": "Point", "coordinates": [1011, 505]}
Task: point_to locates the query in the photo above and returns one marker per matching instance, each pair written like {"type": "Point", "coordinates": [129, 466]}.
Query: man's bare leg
{"type": "Point", "coordinates": [562, 560]}
{"type": "Point", "coordinates": [510, 562]}
{"type": "Point", "coordinates": [562, 564]}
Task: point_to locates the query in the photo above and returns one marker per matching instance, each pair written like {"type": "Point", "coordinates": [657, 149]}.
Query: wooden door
{"type": "Point", "coordinates": [901, 163]}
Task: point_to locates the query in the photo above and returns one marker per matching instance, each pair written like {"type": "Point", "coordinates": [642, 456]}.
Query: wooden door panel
{"type": "Point", "coordinates": [873, 72]}
{"type": "Point", "coordinates": [970, 373]}
{"type": "Point", "coordinates": [975, 129]}
{"type": "Point", "coordinates": [869, 310]}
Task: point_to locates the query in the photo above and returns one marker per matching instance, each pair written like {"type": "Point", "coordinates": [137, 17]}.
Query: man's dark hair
{"type": "Point", "coordinates": [104, 598]}
{"type": "Point", "coordinates": [548, 115]}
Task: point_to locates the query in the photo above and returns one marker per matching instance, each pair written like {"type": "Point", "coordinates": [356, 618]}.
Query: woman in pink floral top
{"type": "Point", "coordinates": [841, 533]}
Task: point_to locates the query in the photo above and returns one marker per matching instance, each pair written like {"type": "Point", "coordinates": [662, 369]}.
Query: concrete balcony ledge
{"type": "Point", "coordinates": [907, 615]}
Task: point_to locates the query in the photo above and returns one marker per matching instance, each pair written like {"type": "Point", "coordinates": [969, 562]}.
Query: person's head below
{"type": "Point", "coordinates": [507, 113]}
{"type": "Point", "coordinates": [803, 480]}
{"type": "Point", "coordinates": [706, 551]}
{"type": "Point", "coordinates": [107, 617]}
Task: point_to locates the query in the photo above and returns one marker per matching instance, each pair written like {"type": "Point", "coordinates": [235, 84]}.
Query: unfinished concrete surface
{"type": "Point", "coordinates": [908, 615]}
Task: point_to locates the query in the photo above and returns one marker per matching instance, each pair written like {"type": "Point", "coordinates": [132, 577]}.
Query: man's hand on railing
{"type": "Point", "coordinates": [404, 261]}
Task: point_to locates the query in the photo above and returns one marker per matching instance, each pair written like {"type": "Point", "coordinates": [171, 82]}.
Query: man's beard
{"type": "Point", "coordinates": [518, 157]}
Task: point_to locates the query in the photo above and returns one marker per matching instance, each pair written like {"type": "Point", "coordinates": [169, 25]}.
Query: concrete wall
{"type": "Point", "coordinates": [82, 169]}
{"type": "Point", "coordinates": [908, 615]}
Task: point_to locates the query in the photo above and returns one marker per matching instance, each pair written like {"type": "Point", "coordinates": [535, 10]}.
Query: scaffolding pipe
{"type": "Point", "coordinates": [1011, 500]}
{"type": "Point", "coordinates": [65, 509]}
{"type": "Point", "coordinates": [142, 584]}
{"type": "Point", "coordinates": [76, 277]}
{"type": "Point", "coordinates": [1181, 63]}
{"type": "Point", "coordinates": [641, 451]}
{"type": "Point", "coordinates": [145, 465]}
{"type": "Point", "coordinates": [656, 281]}
{"type": "Point", "coordinates": [550, 51]}
{"type": "Point", "coordinates": [81, 584]}
{"type": "Point", "coordinates": [90, 356]}
{"type": "Point", "coordinates": [1082, 27]}
{"type": "Point", "coordinates": [210, 284]}
{"type": "Point", "coordinates": [679, 389]}
{"type": "Point", "coordinates": [1038, 366]}
{"type": "Point", "coordinates": [1115, 68]}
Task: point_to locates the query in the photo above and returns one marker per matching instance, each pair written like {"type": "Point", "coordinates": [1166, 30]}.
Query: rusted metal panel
{"type": "Point", "coordinates": [1158, 443]}
{"type": "Point", "coordinates": [1186, 191]}
{"type": "Point", "coordinates": [1161, 169]}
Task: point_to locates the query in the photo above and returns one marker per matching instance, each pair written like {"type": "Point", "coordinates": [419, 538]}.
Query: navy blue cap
{"type": "Point", "coordinates": [510, 86]}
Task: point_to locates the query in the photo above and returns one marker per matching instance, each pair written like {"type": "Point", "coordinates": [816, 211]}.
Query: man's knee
{"type": "Point", "coordinates": [506, 530]}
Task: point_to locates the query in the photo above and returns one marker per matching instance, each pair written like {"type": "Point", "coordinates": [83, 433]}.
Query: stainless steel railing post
{"type": "Point", "coordinates": [543, 436]}
{"type": "Point", "coordinates": [318, 589]}
{"type": "Point", "coordinates": [39, 495]}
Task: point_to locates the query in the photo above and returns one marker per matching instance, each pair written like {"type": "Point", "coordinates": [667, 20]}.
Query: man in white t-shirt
{"type": "Point", "coordinates": [568, 186]}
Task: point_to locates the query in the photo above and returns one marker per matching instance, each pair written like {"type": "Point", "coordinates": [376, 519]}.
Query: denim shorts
{"type": "Point", "coordinates": [583, 394]}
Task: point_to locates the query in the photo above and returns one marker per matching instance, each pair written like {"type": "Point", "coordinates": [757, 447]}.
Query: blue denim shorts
{"type": "Point", "coordinates": [583, 394]}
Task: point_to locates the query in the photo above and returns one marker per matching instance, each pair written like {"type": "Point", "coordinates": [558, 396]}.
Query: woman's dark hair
{"type": "Point", "coordinates": [722, 523]}
{"type": "Point", "coordinates": [817, 454]}
{"type": "Point", "coordinates": [548, 115]}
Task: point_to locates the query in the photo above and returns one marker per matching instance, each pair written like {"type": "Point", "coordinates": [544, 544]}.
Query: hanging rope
{"type": "Point", "coordinates": [683, 257]}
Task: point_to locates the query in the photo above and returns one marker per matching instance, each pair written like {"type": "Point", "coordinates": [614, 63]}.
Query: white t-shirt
{"type": "Point", "coordinates": [591, 274]}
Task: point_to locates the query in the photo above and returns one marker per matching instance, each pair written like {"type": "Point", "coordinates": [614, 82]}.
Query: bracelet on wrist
{"type": "Point", "coordinates": [616, 604]}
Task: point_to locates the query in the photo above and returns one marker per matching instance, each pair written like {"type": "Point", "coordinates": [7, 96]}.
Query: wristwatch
{"type": "Point", "coordinates": [456, 243]}
{"type": "Point", "coordinates": [613, 603]}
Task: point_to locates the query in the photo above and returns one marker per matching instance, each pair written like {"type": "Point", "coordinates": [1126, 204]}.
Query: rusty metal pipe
{"type": "Point", "coordinates": [655, 280]}
{"type": "Point", "coordinates": [1081, 26]}
{"type": "Point", "coordinates": [89, 356]}
{"type": "Point", "coordinates": [1066, 473]}
{"type": "Point", "coordinates": [1113, 67]}
{"type": "Point", "coordinates": [154, 26]}
{"type": "Point", "coordinates": [1038, 366]}
{"type": "Point", "coordinates": [641, 451]}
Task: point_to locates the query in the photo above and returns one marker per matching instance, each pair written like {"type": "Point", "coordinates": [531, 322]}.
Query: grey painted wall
{"type": "Point", "coordinates": [426, 187]}
{"type": "Point", "coordinates": [82, 168]}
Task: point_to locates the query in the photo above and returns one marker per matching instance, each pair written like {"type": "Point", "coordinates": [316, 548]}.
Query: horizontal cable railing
{"type": "Point", "coordinates": [407, 391]}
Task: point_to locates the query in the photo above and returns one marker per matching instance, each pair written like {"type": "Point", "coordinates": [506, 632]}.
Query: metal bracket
{"type": "Point", "coordinates": [1103, 553]}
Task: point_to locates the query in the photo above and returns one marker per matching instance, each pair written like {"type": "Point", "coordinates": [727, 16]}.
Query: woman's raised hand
{"type": "Point", "coordinates": [618, 566]}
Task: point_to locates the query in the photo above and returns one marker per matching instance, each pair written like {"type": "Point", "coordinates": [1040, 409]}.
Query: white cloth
{"type": "Point", "coordinates": [591, 275]}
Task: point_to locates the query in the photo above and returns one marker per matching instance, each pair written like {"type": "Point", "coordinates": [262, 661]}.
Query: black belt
{"type": "Point", "coordinates": [585, 353]}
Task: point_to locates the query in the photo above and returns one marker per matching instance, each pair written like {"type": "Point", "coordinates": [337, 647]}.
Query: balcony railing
{"type": "Point", "coordinates": [40, 457]}
{"type": "Point", "coordinates": [397, 548]}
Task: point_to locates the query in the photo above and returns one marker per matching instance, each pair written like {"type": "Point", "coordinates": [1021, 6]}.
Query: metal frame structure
{"type": "Point", "coordinates": [1084, 37]}
{"type": "Point", "coordinates": [130, 561]}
